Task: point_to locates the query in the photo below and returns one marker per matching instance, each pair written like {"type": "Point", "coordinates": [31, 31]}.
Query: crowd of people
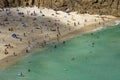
{"type": "Point", "coordinates": [28, 27]}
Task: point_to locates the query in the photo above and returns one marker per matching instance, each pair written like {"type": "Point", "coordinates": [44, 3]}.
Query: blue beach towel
{"type": "Point", "coordinates": [24, 25]}
{"type": "Point", "coordinates": [15, 36]}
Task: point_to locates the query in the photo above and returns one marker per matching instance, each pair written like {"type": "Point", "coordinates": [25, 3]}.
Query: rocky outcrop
{"type": "Point", "coordinates": [108, 7]}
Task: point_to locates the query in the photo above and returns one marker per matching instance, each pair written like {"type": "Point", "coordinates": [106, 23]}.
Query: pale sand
{"type": "Point", "coordinates": [41, 29]}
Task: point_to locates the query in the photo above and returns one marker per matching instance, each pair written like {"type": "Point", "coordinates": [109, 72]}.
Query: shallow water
{"type": "Point", "coordinates": [94, 56]}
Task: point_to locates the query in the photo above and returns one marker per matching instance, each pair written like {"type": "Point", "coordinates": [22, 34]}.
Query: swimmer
{"type": "Point", "coordinates": [29, 70]}
{"type": "Point", "coordinates": [65, 69]}
{"type": "Point", "coordinates": [73, 59]}
{"type": "Point", "coordinates": [55, 46]}
{"type": "Point", "coordinates": [63, 42]}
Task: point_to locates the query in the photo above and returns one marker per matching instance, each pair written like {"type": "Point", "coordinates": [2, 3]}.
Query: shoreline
{"type": "Point", "coordinates": [14, 59]}
{"type": "Point", "coordinates": [37, 33]}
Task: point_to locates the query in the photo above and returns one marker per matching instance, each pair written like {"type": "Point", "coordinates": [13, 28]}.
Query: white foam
{"type": "Point", "coordinates": [117, 22]}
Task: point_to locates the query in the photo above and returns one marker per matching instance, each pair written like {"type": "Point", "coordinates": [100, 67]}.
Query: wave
{"type": "Point", "coordinates": [117, 22]}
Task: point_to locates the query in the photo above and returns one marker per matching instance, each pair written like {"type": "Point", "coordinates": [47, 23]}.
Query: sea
{"type": "Point", "coordinates": [91, 56]}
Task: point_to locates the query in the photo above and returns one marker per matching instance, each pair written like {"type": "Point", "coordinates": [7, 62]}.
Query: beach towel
{"type": "Point", "coordinates": [15, 36]}
{"type": "Point", "coordinates": [24, 25]}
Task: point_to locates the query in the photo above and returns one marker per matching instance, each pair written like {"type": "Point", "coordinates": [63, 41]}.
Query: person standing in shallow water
{"type": "Point", "coordinates": [21, 74]}
{"type": "Point", "coordinates": [55, 46]}
{"type": "Point", "coordinates": [29, 70]}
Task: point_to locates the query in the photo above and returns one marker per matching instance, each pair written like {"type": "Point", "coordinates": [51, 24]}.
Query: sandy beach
{"type": "Point", "coordinates": [24, 29]}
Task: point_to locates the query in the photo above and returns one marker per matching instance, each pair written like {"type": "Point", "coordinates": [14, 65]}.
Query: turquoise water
{"type": "Point", "coordinates": [94, 56]}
